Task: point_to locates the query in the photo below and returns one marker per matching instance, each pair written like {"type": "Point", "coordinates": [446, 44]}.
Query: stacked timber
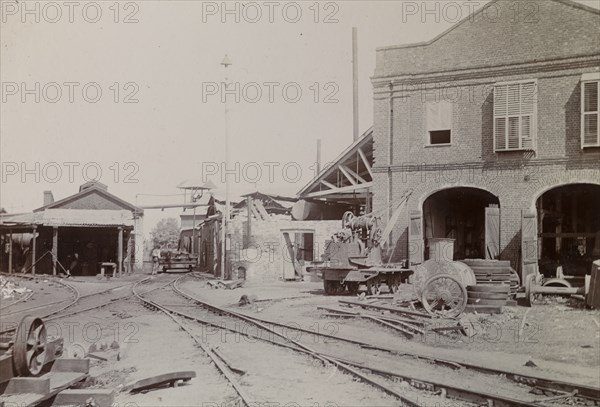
{"type": "Point", "coordinates": [497, 285]}
{"type": "Point", "coordinates": [488, 299]}
{"type": "Point", "coordinates": [495, 273]}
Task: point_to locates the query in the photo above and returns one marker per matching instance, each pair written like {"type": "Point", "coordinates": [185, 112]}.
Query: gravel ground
{"type": "Point", "coordinates": [560, 337]}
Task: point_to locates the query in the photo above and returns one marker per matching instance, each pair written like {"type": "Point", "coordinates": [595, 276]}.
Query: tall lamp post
{"type": "Point", "coordinates": [225, 223]}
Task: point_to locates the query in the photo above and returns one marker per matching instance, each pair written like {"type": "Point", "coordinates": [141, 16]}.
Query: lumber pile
{"type": "Point", "coordinates": [227, 284]}
{"type": "Point", "coordinates": [407, 321]}
{"type": "Point", "coordinates": [497, 285]}
{"type": "Point", "coordinates": [9, 289]}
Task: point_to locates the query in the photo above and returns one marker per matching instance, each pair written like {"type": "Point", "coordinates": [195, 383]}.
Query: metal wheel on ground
{"type": "Point", "coordinates": [29, 349]}
{"type": "Point", "coordinates": [373, 288]}
{"type": "Point", "coordinates": [445, 296]}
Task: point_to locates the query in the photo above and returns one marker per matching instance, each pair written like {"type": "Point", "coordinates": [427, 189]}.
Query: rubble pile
{"type": "Point", "coordinates": [10, 289]}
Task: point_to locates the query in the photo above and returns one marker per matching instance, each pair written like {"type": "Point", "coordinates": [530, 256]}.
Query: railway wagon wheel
{"type": "Point", "coordinates": [444, 295]}
{"type": "Point", "coordinates": [352, 287]}
{"type": "Point", "coordinates": [29, 349]}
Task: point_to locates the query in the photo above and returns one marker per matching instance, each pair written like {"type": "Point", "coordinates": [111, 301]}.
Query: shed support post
{"type": "Point", "coordinates": [249, 224]}
{"type": "Point", "coordinates": [10, 252]}
{"type": "Point", "coordinates": [120, 252]}
{"type": "Point", "coordinates": [33, 250]}
{"type": "Point", "coordinates": [54, 249]}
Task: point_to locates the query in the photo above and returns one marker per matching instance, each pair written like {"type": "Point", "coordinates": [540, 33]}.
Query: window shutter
{"type": "Point", "coordinates": [513, 133]}
{"type": "Point", "coordinates": [514, 100]}
{"type": "Point", "coordinates": [514, 116]}
{"type": "Point", "coordinates": [500, 98]}
{"type": "Point", "coordinates": [590, 91]}
{"type": "Point", "coordinates": [439, 115]}
{"type": "Point", "coordinates": [500, 133]}
{"type": "Point", "coordinates": [590, 112]}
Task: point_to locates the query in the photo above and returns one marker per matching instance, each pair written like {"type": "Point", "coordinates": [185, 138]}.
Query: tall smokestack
{"type": "Point", "coordinates": [318, 156]}
{"type": "Point", "coordinates": [355, 80]}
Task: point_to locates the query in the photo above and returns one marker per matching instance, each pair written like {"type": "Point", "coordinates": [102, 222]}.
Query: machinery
{"type": "Point", "coordinates": [173, 260]}
{"type": "Point", "coordinates": [26, 353]}
{"type": "Point", "coordinates": [353, 257]}
{"type": "Point", "coordinates": [33, 369]}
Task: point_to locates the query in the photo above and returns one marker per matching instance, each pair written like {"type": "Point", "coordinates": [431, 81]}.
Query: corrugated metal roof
{"type": "Point", "coordinates": [87, 217]}
{"type": "Point", "coordinates": [74, 217]}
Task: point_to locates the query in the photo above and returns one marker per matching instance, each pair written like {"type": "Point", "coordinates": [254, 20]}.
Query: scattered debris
{"type": "Point", "coordinates": [530, 363]}
{"type": "Point", "coordinates": [10, 289]}
{"type": "Point", "coordinates": [228, 285]}
{"type": "Point", "coordinates": [171, 379]}
{"type": "Point", "coordinates": [247, 300]}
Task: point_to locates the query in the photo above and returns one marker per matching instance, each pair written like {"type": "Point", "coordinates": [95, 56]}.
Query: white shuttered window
{"type": "Point", "coordinates": [590, 130]}
{"type": "Point", "coordinates": [515, 107]}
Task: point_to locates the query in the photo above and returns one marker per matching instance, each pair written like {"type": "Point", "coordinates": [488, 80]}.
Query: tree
{"type": "Point", "coordinates": [165, 234]}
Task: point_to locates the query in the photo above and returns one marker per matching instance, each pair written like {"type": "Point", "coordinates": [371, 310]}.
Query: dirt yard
{"type": "Point", "coordinates": [557, 339]}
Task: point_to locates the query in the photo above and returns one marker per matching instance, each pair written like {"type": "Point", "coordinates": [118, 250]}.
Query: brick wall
{"type": "Point", "coordinates": [411, 76]}
{"type": "Point", "coordinates": [265, 256]}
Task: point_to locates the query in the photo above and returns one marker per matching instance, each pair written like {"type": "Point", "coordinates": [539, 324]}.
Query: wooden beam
{"type": "Point", "coordinates": [10, 253]}
{"type": "Point", "coordinates": [355, 175]}
{"type": "Point", "coordinates": [54, 249]}
{"type": "Point", "coordinates": [328, 184]}
{"type": "Point", "coordinates": [120, 252]}
{"type": "Point", "coordinates": [347, 174]}
{"type": "Point", "coordinates": [567, 235]}
{"type": "Point", "coordinates": [347, 189]}
{"type": "Point", "coordinates": [365, 161]}
{"type": "Point", "coordinates": [33, 243]}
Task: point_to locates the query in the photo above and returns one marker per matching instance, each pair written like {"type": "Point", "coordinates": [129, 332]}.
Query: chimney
{"type": "Point", "coordinates": [48, 198]}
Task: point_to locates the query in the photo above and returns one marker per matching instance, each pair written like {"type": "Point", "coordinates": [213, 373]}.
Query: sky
{"type": "Point", "coordinates": [130, 92]}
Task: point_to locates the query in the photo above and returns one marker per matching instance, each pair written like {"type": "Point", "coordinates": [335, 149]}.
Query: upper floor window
{"type": "Point", "coordinates": [439, 122]}
{"type": "Point", "coordinates": [590, 130]}
{"type": "Point", "coordinates": [515, 108]}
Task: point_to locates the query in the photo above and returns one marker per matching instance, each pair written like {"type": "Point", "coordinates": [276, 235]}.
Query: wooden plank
{"type": "Point", "coordinates": [260, 208]}
{"type": "Point", "coordinates": [529, 243]}
{"type": "Point", "coordinates": [593, 297]}
{"type": "Point", "coordinates": [492, 233]}
{"type": "Point", "coordinates": [347, 175]}
{"type": "Point", "coordinates": [416, 241]}
{"type": "Point", "coordinates": [159, 380]}
{"type": "Point", "coordinates": [365, 161]}
{"type": "Point", "coordinates": [71, 365]}
{"type": "Point", "coordinates": [82, 397]}
{"type": "Point", "coordinates": [383, 307]}
{"type": "Point", "coordinates": [35, 385]}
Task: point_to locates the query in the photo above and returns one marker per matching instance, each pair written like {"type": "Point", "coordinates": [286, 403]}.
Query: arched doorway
{"type": "Point", "coordinates": [469, 216]}
{"type": "Point", "coordinates": [568, 219]}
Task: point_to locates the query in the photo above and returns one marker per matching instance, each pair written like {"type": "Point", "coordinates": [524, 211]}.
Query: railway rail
{"type": "Point", "coordinates": [76, 300]}
{"type": "Point", "coordinates": [584, 395]}
{"type": "Point", "coordinates": [216, 320]}
{"type": "Point", "coordinates": [387, 378]}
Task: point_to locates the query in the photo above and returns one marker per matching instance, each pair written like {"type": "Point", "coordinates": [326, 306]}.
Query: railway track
{"type": "Point", "coordinates": [555, 391]}
{"type": "Point", "coordinates": [68, 307]}
{"type": "Point", "coordinates": [220, 319]}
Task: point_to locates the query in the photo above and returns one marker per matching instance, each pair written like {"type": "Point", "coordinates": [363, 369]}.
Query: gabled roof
{"type": "Point", "coordinates": [348, 176]}
{"type": "Point", "coordinates": [73, 218]}
{"type": "Point", "coordinates": [86, 192]}
{"type": "Point", "coordinates": [502, 32]}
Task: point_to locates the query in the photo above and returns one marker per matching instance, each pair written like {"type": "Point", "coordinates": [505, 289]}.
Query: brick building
{"type": "Point", "coordinates": [494, 127]}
